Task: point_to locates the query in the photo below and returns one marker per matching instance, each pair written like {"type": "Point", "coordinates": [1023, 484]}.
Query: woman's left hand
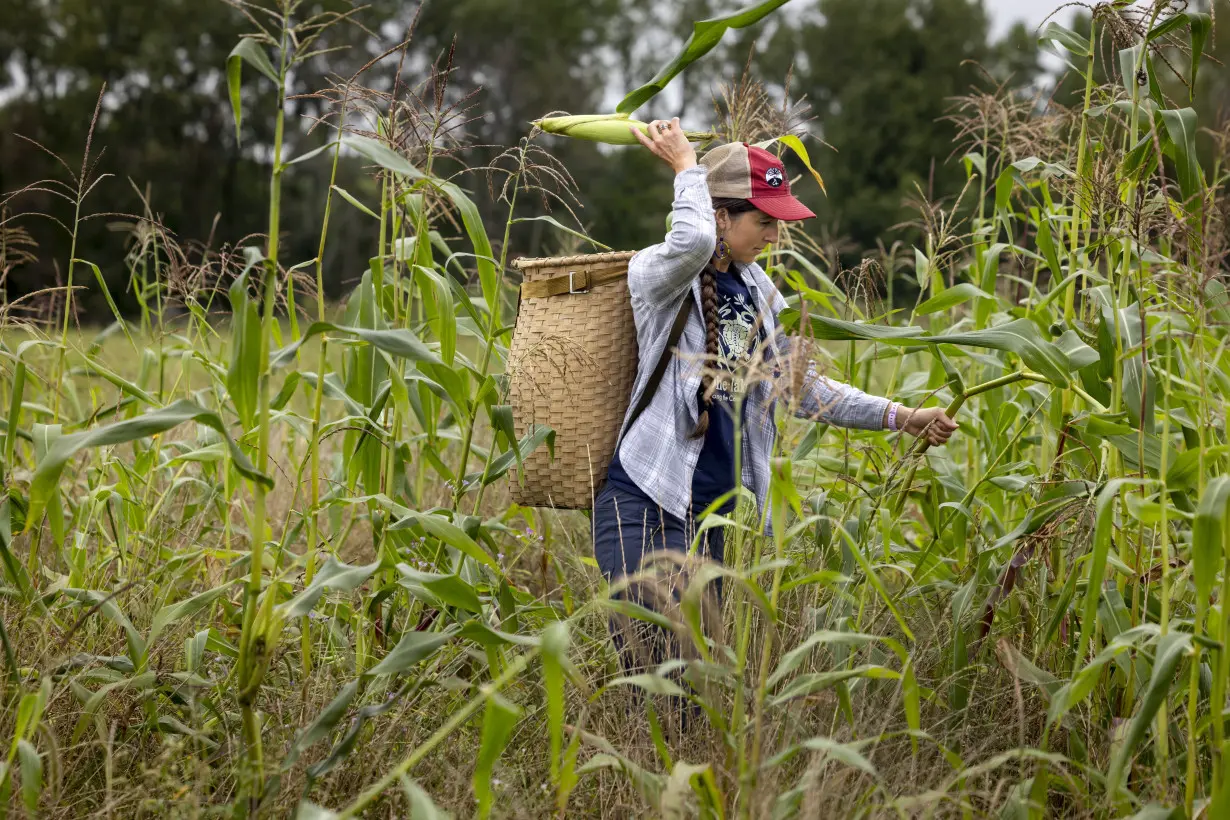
{"type": "Point", "coordinates": [932, 423]}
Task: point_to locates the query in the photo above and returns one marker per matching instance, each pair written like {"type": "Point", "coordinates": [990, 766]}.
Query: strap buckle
{"type": "Point", "coordinates": [571, 283]}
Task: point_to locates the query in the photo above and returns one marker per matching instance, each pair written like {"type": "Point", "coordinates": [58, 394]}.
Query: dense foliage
{"type": "Point", "coordinates": [170, 143]}
{"type": "Point", "coordinates": [269, 566]}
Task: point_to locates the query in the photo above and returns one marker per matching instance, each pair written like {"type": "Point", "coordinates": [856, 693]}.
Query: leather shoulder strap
{"type": "Point", "coordinates": [672, 341]}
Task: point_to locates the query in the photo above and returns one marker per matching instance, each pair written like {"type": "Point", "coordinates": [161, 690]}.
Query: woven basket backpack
{"type": "Point", "coordinates": [571, 367]}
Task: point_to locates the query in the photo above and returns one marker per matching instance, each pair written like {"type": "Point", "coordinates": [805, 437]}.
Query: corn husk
{"type": "Point", "coordinates": [611, 129]}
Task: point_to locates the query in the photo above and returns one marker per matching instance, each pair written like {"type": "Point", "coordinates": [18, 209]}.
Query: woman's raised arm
{"type": "Point", "coordinates": [660, 273]}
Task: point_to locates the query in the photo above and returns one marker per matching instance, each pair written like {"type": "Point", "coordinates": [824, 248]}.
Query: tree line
{"type": "Point", "coordinates": [874, 79]}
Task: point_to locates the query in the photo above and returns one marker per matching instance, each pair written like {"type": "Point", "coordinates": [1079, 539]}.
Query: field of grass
{"type": "Point", "coordinates": [259, 556]}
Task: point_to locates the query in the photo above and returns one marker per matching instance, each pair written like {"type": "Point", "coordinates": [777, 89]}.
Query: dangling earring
{"type": "Point", "coordinates": [722, 253]}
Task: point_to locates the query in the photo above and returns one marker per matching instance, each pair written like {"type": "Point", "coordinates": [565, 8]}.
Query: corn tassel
{"type": "Point", "coordinates": [611, 129]}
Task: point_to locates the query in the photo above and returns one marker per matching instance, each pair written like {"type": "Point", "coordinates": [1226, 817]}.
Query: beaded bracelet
{"type": "Point", "coordinates": [892, 416]}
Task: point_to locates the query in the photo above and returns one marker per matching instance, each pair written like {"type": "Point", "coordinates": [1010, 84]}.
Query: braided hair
{"type": "Point", "coordinates": [709, 310]}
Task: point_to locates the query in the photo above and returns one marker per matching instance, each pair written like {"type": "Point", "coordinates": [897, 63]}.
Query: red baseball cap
{"type": "Point", "coordinates": [741, 171]}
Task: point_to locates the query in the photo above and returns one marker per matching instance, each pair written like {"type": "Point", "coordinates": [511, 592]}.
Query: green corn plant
{"type": "Point", "coordinates": [292, 40]}
{"type": "Point", "coordinates": [253, 361]}
{"type": "Point", "coordinates": [1030, 621]}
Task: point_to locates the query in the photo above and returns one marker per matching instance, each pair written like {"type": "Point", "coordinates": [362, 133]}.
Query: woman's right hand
{"type": "Point", "coordinates": [667, 140]}
{"type": "Point", "coordinates": [932, 423]}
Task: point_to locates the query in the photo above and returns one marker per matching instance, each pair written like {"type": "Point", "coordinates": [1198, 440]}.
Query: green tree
{"type": "Point", "coordinates": [880, 76]}
{"type": "Point", "coordinates": [879, 73]}
{"type": "Point", "coordinates": [165, 126]}
{"type": "Point", "coordinates": [531, 58]}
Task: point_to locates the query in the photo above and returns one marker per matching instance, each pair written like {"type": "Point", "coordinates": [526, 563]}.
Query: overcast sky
{"type": "Point", "coordinates": [1030, 12]}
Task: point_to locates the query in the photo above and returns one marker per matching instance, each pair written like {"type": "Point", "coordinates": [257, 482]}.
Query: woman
{"type": "Point", "coordinates": [678, 456]}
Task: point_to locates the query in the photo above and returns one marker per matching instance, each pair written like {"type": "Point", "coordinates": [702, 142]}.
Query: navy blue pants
{"type": "Point", "coordinates": [628, 527]}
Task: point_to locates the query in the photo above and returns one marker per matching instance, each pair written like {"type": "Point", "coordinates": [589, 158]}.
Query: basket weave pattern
{"type": "Point", "coordinates": [571, 367]}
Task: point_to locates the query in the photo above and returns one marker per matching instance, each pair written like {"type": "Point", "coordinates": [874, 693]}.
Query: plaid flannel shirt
{"type": "Point", "coordinates": [656, 451]}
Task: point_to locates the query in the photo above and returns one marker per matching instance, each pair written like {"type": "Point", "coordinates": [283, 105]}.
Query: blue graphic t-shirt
{"type": "Point", "coordinates": [715, 470]}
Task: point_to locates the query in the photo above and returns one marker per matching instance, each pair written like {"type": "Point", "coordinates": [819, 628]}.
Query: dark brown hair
{"type": "Point", "coordinates": [709, 309]}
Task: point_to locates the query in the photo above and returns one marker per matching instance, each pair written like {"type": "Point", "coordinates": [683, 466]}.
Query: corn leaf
{"type": "Point", "coordinates": [653, 684]}
{"type": "Point", "coordinates": [1182, 125]}
{"type": "Point", "coordinates": [1200, 24]}
{"type": "Point", "coordinates": [400, 343]}
{"type": "Point", "coordinates": [413, 648]}
{"type": "Point", "coordinates": [555, 223]}
{"type": "Point", "coordinates": [649, 784]}
{"type": "Point", "coordinates": [1139, 383]}
{"type": "Point", "coordinates": [441, 314]}
{"type": "Point", "coordinates": [115, 311]}
{"type": "Point", "coordinates": [810, 684]}
{"type": "Point", "coordinates": [244, 373]}
{"type": "Point", "coordinates": [249, 51]}
{"type": "Point", "coordinates": [31, 775]}
{"type": "Point", "coordinates": [342, 749]}
{"type": "Point", "coordinates": [47, 475]}
{"type": "Point", "coordinates": [1171, 648]}
{"type": "Point", "coordinates": [856, 552]}
{"type": "Point", "coordinates": [499, 717]}
{"type": "Point", "coordinates": [686, 780]}
{"type": "Point", "coordinates": [17, 573]}
{"type": "Point", "coordinates": [449, 533]}
{"type": "Point", "coordinates": [792, 659]}
{"type": "Point", "coordinates": [484, 635]}
{"type": "Point", "coordinates": [1020, 337]}
{"type": "Point", "coordinates": [554, 660]}
{"type": "Point", "coordinates": [104, 603]}
{"type": "Point", "coordinates": [1104, 523]}
{"type": "Point", "coordinates": [184, 609]}
{"type": "Point", "coordinates": [1208, 551]}
{"type": "Point", "coordinates": [440, 589]}
{"type": "Point", "coordinates": [334, 575]}
{"type": "Point", "coordinates": [13, 421]}
{"type": "Point", "coordinates": [539, 434]}
{"type": "Point", "coordinates": [1024, 669]}
{"type": "Point", "coordinates": [846, 753]}
{"type": "Point", "coordinates": [705, 35]}
{"type": "Point", "coordinates": [94, 702]}
{"type": "Point", "coordinates": [951, 297]}
{"type": "Point", "coordinates": [385, 157]}
{"type": "Point", "coordinates": [324, 724]}
{"type": "Point", "coordinates": [1073, 43]}
{"type": "Point", "coordinates": [349, 197]}
{"type": "Point", "coordinates": [422, 807]}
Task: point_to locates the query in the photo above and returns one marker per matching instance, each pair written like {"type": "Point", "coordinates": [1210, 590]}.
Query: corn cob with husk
{"type": "Point", "coordinates": [611, 129]}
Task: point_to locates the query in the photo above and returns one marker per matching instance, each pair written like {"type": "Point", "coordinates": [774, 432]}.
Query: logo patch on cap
{"type": "Point", "coordinates": [774, 177]}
